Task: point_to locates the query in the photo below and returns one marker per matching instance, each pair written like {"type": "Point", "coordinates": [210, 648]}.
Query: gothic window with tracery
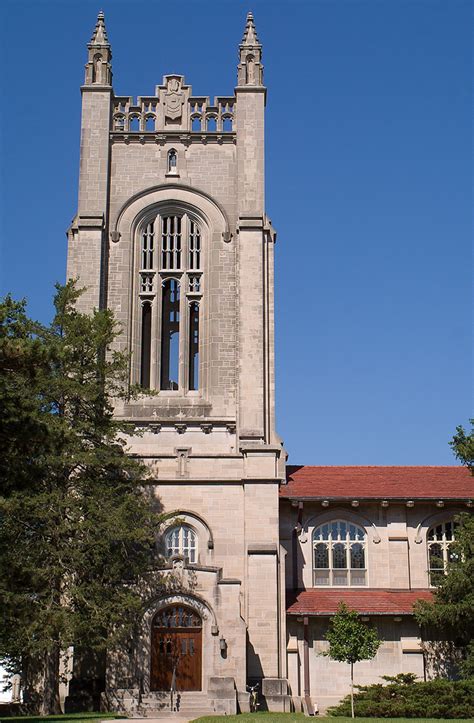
{"type": "Point", "coordinates": [440, 539]}
{"type": "Point", "coordinates": [339, 554]}
{"type": "Point", "coordinates": [182, 540]}
{"type": "Point", "coordinates": [170, 287]}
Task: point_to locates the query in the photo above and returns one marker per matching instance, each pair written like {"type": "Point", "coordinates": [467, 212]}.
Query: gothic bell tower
{"type": "Point", "coordinates": [171, 234]}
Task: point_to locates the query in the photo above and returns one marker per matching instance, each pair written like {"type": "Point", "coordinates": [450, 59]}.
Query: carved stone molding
{"type": "Point", "coordinates": [206, 427]}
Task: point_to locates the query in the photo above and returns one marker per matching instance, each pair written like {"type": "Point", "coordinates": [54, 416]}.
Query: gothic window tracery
{"type": "Point", "coordinates": [170, 289]}
{"type": "Point", "coordinates": [339, 554]}
{"type": "Point", "coordinates": [440, 538]}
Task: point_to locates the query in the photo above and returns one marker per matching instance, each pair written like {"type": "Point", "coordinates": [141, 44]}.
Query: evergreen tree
{"type": "Point", "coordinates": [77, 532]}
{"type": "Point", "coordinates": [350, 641]}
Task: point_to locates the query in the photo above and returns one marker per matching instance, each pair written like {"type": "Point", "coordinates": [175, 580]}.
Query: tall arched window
{"type": "Point", "coordinates": [439, 540]}
{"type": "Point", "coordinates": [181, 540]}
{"type": "Point", "coordinates": [339, 554]}
{"type": "Point", "coordinates": [170, 288]}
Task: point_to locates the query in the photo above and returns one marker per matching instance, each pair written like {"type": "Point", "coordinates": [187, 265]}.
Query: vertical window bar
{"type": "Point", "coordinates": [146, 346]}
{"type": "Point", "coordinates": [171, 243]}
{"type": "Point", "coordinates": [194, 246]}
{"type": "Point", "coordinates": [148, 246]}
{"type": "Point", "coordinates": [170, 336]}
{"type": "Point", "coordinates": [194, 346]}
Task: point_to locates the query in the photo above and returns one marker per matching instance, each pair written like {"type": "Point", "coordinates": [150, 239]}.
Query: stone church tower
{"type": "Point", "coordinates": [171, 234]}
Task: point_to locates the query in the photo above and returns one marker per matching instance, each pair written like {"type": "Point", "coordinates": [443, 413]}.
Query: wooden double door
{"type": "Point", "coordinates": [176, 649]}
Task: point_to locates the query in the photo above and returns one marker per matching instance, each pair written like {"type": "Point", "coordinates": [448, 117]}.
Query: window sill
{"type": "Point", "coordinates": [171, 175]}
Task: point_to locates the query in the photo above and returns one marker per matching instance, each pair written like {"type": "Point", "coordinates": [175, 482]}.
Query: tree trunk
{"type": "Point", "coordinates": [50, 704]}
{"type": "Point", "coordinates": [352, 689]}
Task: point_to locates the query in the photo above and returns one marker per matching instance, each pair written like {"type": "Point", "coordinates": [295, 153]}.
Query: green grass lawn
{"type": "Point", "coordinates": [298, 717]}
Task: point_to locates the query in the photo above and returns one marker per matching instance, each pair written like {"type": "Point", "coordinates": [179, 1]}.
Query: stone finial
{"type": "Point", "coordinates": [98, 67]}
{"type": "Point", "coordinates": [99, 36]}
{"type": "Point", "coordinates": [250, 70]}
{"type": "Point", "coordinates": [250, 37]}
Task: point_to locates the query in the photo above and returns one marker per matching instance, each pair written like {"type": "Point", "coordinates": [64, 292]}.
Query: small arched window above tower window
{"type": "Point", "coordinates": [181, 540]}
{"type": "Point", "coordinates": [172, 161]}
{"type": "Point", "coordinates": [211, 124]}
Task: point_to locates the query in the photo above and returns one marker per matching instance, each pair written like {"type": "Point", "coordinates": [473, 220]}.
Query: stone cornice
{"type": "Point", "coordinates": [187, 138]}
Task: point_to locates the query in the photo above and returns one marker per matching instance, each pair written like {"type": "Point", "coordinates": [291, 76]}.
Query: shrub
{"type": "Point", "coordinates": [403, 697]}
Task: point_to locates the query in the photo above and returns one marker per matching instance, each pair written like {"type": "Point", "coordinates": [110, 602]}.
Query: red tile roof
{"type": "Point", "coordinates": [368, 602]}
{"type": "Point", "coordinates": [378, 482]}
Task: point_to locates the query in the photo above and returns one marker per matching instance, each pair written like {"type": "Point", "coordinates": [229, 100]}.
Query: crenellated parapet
{"type": "Point", "coordinates": [173, 108]}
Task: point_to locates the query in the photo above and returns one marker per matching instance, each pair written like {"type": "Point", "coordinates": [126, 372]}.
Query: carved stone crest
{"type": "Point", "coordinates": [174, 99]}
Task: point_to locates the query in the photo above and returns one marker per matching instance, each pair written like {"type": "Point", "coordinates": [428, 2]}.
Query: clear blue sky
{"type": "Point", "coordinates": [369, 164]}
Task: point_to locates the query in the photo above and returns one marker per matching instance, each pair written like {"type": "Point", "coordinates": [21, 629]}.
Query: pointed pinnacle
{"type": "Point", "coordinates": [99, 36]}
{"type": "Point", "coordinates": [250, 34]}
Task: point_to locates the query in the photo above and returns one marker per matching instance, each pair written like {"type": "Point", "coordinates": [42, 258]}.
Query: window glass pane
{"type": "Point", "coordinates": [321, 577]}
{"type": "Point", "coordinates": [342, 530]}
{"type": "Point", "coordinates": [171, 243]}
{"type": "Point", "coordinates": [146, 347]}
{"type": "Point", "coordinates": [321, 555]}
{"type": "Point", "coordinates": [148, 246]}
{"type": "Point", "coordinates": [170, 336]}
{"type": "Point", "coordinates": [339, 577]}
{"type": "Point", "coordinates": [358, 577]}
{"type": "Point", "coordinates": [194, 246]}
{"type": "Point", "coordinates": [194, 346]}
{"type": "Point", "coordinates": [436, 557]}
{"type": "Point", "coordinates": [339, 555]}
{"type": "Point", "coordinates": [357, 556]}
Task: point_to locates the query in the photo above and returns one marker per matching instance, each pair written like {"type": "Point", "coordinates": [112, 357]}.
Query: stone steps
{"type": "Point", "coordinates": [191, 705]}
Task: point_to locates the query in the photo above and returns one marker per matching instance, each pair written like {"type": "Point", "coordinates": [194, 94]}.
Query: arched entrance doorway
{"type": "Point", "coordinates": [176, 647]}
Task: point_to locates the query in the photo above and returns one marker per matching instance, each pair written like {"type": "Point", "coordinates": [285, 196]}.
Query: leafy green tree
{"type": "Point", "coordinates": [350, 641]}
{"type": "Point", "coordinates": [452, 612]}
{"type": "Point", "coordinates": [78, 531]}
{"type": "Point", "coordinates": [462, 445]}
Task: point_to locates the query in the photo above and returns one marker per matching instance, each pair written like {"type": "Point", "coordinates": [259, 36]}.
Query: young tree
{"type": "Point", "coordinates": [350, 641]}
{"type": "Point", "coordinates": [78, 532]}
